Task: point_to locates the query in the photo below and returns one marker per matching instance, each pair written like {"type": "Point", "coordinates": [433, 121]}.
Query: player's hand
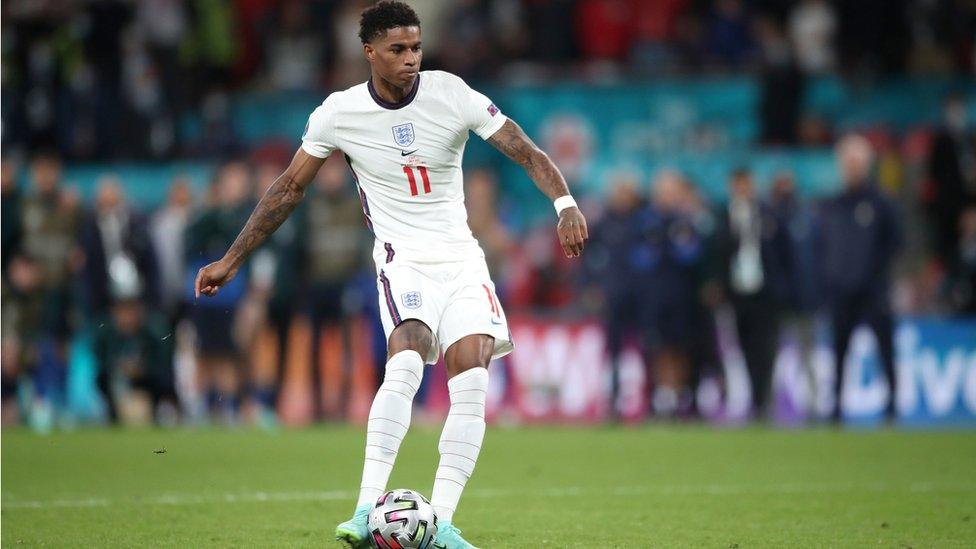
{"type": "Point", "coordinates": [211, 277]}
{"type": "Point", "coordinates": [572, 231]}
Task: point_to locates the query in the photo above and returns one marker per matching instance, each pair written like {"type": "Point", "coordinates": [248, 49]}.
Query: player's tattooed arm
{"type": "Point", "coordinates": [512, 141]}
{"type": "Point", "coordinates": [275, 206]}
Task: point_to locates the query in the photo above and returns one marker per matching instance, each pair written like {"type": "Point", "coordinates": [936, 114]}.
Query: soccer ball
{"type": "Point", "coordinates": [402, 519]}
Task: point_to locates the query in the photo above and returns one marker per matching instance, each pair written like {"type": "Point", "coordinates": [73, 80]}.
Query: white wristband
{"type": "Point", "coordinates": [564, 202]}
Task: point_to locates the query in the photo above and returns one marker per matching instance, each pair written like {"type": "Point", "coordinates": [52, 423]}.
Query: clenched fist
{"type": "Point", "coordinates": [211, 277]}
{"type": "Point", "coordinates": [572, 231]}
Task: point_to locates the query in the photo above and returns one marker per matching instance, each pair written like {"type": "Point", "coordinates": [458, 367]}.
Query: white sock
{"type": "Point", "coordinates": [461, 440]}
{"type": "Point", "coordinates": [389, 420]}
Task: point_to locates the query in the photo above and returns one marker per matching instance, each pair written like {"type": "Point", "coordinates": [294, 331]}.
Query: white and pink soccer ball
{"type": "Point", "coordinates": [402, 519]}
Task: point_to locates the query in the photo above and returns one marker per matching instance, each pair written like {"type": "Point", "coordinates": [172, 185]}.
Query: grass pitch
{"type": "Point", "coordinates": [534, 487]}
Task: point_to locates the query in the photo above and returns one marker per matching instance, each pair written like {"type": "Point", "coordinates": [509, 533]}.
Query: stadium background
{"type": "Point", "coordinates": [138, 135]}
{"type": "Point", "coordinates": [159, 123]}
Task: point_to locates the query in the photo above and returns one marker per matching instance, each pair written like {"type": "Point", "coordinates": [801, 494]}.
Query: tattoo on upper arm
{"type": "Point", "coordinates": [275, 206]}
{"type": "Point", "coordinates": [513, 143]}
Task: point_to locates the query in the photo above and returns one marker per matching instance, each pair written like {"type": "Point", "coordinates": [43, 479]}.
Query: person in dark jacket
{"type": "Point", "coordinates": [613, 272]}
{"type": "Point", "coordinates": [961, 276]}
{"type": "Point", "coordinates": [219, 350]}
{"type": "Point", "coordinates": [134, 353]}
{"type": "Point", "coordinates": [115, 236]}
{"type": "Point", "coordinates": [799, 319]}
{"type": "Point", "coordinates": [860, 239]}
{"type": "Point", "coordinates": [670, 250]}
{"type": "Point", "coordinates": [754, 257]}
{"type": "Point", "coordinates": [952, 175]}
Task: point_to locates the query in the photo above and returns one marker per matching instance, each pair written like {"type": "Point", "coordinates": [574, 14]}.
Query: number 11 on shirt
{"type": "Point", "coordinates": [413, 180]}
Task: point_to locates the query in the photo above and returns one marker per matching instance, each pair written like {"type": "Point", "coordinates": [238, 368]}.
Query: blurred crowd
{"type": "Point", "coordinates": [661, 262]}
{"type": "Point", "coordinates": [119, 280]}
{"type": "Point", "coordinates": [106, 79]}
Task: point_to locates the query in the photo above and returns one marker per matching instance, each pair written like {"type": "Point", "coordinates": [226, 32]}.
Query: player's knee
{"type": "Point", "coordinates": [461, 366]}
{"type": "Point", "coordinates": [469, 353]}
{"type": "Point", "coordinates": [411, 335]}
{"type": "Point", "coordinates": [404, 372]}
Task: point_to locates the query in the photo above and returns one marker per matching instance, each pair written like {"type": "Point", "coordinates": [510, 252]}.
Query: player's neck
{"type": "Point", "coordinates": [389, 93]}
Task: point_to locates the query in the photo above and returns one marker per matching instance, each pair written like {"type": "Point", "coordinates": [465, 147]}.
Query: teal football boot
{"type": "Point", "coordinates": [449, 537]}
{"type": "Point", "coordinates": [354, 531]}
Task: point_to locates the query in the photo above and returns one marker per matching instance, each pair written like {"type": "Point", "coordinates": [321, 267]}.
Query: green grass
{"type": "Point", "coordinates": [538, 487]}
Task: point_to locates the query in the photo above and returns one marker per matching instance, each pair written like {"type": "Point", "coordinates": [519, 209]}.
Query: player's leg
{"type": "Point", "coordinates": [410, 309]}
{"type": "Point", "coordinates": [467, 369]}
{"type": "Point", "coordinates": [389, 420]}
{"type": "Point", "coordinates": [472, 331]}
{"type": "Point", "coordinates": [389, 416]}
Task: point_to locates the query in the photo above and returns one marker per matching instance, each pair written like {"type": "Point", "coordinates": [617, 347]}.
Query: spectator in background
{"type": "Point", "coordinates": [782, 86]}
{"type": "Point", "coordinates": [481, 200]}
{"type": "Point", "coordinates": [51, 216]}
{"type": "Point", "coordinates": [335, 242]}
{"type": "Point", "coordinates": [656, 29]}
{"type": "Point", "coordinates": [115, 237]}
{"type": "Point", "coordinates": [134, 351]}
{"type": "Point", "coordinates": [754, 255]}
{"type": "Point", "coordinates": [729, 41]}
{"type": "Point", "coordinates": [218, 350]}
{"type": "Point", "coordinates": [465, 47]}
{"type": "Point", "coordinates": [952, 175]}
{"type": "Point", "coordinates": [172, 220]}
{"type": "Point", "coordinates": [12, 228]}
{"type": "Point", "coordinates": [295, 49]}
{"type": "Point", "coordinates": [802, 298]}
{"type": "Point", "coordinates": [613, 270]}
{"type": "Point", "coordinates": [22, 313]}
{"type": "Point", "coordinates": [540, 276]}
{"type": "Point", "coordinates": [350, 69]}
{"type": "Point", "coordinates": [961, 283]}
{"type": "Point", "coordinates": [605, 29]}
{"type": "Point", "coordinates": [276, 272]}
{"type": "Point", "coordinates": [812, 26]}
{"type": "Point", "coordinates": [704, 354]}
{"type": "Point", "coordinates": [861, 237]}
{"type": "Point", "coordinates": [668, 252]}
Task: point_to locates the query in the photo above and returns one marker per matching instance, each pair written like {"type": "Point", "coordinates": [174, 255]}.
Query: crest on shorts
{"type": "Point", "coordinates": [411, 300]}
{"type": "Point", "coordinates": [404, 135]}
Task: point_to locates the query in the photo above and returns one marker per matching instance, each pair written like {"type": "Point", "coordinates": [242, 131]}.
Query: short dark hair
{"type": "Point", "coordinates": [383, 16]}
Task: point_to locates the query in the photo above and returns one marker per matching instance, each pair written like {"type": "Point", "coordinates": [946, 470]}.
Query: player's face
{"type": "Point", "coordinates": [395, 56]}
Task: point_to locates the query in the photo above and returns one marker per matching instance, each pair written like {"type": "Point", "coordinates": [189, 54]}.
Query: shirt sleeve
{"type": "Point", "coordinates": [319, 138]}
{"type": "Point", "coordinates": [480, 115]}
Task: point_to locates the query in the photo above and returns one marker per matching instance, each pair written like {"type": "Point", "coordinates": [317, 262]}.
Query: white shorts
{"type": "Point", "coordinates": [454, 300]}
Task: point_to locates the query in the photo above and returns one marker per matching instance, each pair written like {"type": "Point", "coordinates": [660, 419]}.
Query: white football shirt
{"type": "Point", "coordinates": [406, 158]}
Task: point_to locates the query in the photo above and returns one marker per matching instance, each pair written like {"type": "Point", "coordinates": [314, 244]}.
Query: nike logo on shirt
{"type": "Point", "coordinates": [405, 153]}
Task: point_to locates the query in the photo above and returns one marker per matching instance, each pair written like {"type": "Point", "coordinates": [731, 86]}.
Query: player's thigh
{"type": "Point", "coordinates": [474, 309]}
{"type": "Point", "coordinates": [410, 309]}
{"type": "Point", "coordinates": [471, 351]}
{"type": "Point", "coordinates": [410, 335]}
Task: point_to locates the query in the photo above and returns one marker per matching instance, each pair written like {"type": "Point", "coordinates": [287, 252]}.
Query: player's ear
{"type": "Point", "coordinates": [369, 51]}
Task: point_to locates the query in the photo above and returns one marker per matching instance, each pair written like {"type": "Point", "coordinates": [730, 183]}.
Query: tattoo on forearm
{"type": "Point", "coordinates": [513, 143]}
{"type": "Point", "coordinates": [275, 206]}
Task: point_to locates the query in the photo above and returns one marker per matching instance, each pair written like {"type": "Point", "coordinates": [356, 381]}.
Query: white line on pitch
{"type": "Point", "coordinates": [623, 491]}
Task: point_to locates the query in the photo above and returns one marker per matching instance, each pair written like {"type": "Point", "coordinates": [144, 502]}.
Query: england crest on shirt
{"type": "Point", "coordinates": [403, 134]}
{"type": "Point", "coordinates": [411, 300]}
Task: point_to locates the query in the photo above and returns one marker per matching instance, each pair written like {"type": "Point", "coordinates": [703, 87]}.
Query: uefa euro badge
{"type": "Point", "coordinates": [403, 134]}
{"type": "Point", "coordinates": [411, 300]}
